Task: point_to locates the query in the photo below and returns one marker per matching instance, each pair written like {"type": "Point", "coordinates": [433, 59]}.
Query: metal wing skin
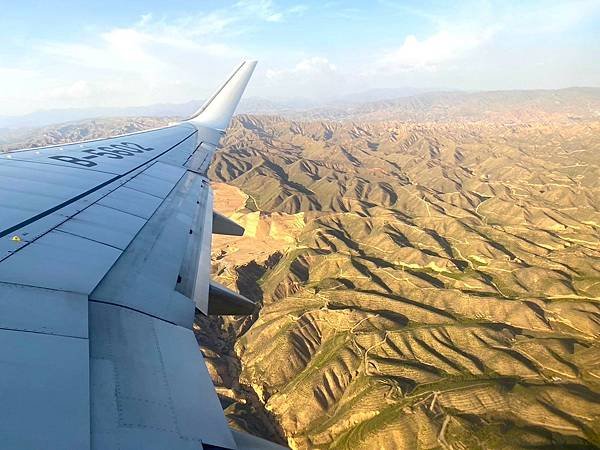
{"type": "Point", "coordinates": [104, 258]}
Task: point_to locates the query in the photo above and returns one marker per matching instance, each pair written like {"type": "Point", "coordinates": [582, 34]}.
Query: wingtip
{"type": "Point", "coordinates": [217, 111]}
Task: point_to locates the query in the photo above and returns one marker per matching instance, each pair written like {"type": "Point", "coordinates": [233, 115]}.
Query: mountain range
{"type": "Point", "coordinates": [402, 103]}
{"type": "Point", "coordinates": [426, 269]}
{"type": "Point", "coordinates": [255, 105]}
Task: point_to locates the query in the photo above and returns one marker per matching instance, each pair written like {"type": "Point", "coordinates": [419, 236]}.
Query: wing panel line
{"type": "Point", "coordinates": [130, 308]}
{"type": "Point", "coordinates": [89, 191]}
{"type": "Point", "coordinates": [45, 333]}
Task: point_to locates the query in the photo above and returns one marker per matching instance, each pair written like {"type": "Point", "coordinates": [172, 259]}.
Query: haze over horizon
{"type": "Point", "coordinates": [67, 55]}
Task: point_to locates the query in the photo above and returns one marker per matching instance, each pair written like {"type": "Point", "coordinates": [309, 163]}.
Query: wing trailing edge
{"type": "Point", "coordinates": [226, 226]}
{"type": "Point", "coordinates": [222, 301]}
{"type": "Point", "coordinates": [217, 111]}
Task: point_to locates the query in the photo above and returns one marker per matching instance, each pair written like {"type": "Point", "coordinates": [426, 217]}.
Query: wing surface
{"type": "Point", "coordinates": [104, 258]}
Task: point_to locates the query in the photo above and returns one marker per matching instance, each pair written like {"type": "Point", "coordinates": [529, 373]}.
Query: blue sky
{"type": "Point", "coordinates": [62, 54]}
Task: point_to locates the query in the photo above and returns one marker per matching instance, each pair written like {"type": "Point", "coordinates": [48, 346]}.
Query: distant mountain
{"type": "Point", "coordinates": [506, 106]}
{"type": "Point", "coordinates": [75, 131]}
{"type": "Point", "coordinates": [375, 95]}
{"type": "Point", "coordinates": [52, 116]}
{"type": "Point", "coordinates": [410, 104]}
{"type": "Point", "coordinates": [253, 105]}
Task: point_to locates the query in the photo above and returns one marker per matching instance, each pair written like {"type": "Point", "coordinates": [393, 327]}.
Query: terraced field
{"type": "Point", "coordinates": [440, 286]}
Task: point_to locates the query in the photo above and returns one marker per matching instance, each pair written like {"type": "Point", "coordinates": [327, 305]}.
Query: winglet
{"type": "Point", "coordinates": [217, 111]}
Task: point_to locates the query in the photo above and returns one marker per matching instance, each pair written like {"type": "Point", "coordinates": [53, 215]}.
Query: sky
{"type": "Point", "coordinates": [67, 54]}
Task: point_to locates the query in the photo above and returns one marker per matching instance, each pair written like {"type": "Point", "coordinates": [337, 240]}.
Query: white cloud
{"type": "Point", "coordinates": [311, 76]}
{"type": "Point", "coordinates": [155, 59]}
{"type": "Point", "coordinates": [80, 89]}
{"type": "Point", "coordinates": [297, 9]}
{"type": "Point", "coordinates": [266, 10]}
{"type": "Point", "coordinates": [429, 53]}
{"type": "Point", "coordinates": [16, 72]}
{"type": "Point", "coordinates": [549, 17]}
{"type": "Point", "coordinates": [137, 64]}
{"type": "Point", "coordinates": [123, 66]}
{"type": "Point", "coordinates": [123, 49]}
{"type": "Point", "coordinates": [148, 45]}
{"type": "Point", "coordinates": [312, 66]}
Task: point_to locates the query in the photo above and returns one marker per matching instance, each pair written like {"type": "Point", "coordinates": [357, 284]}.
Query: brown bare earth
{"type": "Point", "coordinates": [427, 273]}
{"type": "Point", "coordinates": [441, 291]}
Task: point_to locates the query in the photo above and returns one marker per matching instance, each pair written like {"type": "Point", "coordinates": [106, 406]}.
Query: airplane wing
{"type": "Point", "coordinates": [104, 258]}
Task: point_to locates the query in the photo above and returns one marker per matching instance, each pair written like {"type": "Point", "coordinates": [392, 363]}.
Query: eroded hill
{"type": "Point", "coordinates": [431, 281]}
{"type": "Point", "coordinates": [439, 286]}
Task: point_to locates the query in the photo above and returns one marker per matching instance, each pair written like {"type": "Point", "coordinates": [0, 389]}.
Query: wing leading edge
{"type": "Point", "coordinates": [104, 258]}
